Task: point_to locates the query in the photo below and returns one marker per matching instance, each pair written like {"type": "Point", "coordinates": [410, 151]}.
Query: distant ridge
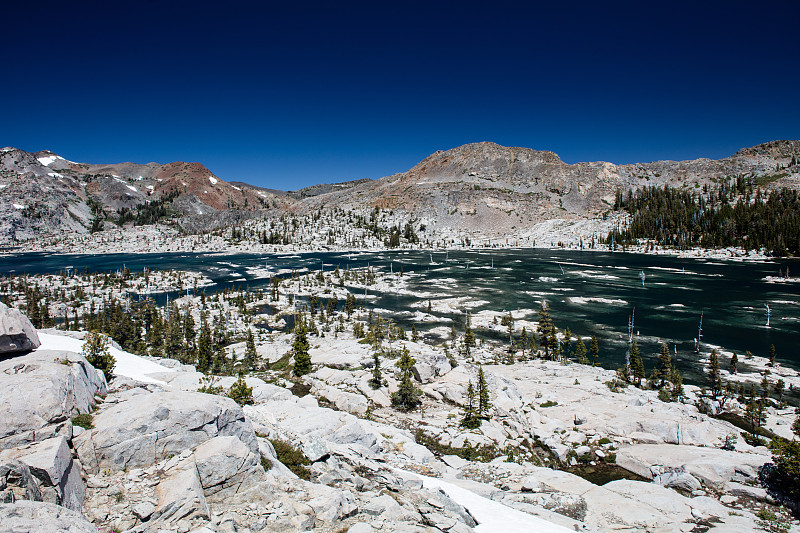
{"type": "Point", "coordinates": [478, 186]}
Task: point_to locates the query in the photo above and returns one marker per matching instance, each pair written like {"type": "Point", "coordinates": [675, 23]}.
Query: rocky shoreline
{"type": "Point", "coordinates": [156, 455]}
{"type": "Point", "coordinates": [552, 234]}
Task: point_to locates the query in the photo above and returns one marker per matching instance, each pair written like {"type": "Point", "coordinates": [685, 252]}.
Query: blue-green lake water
{"type": "Point", "coordinates": [592, 293]}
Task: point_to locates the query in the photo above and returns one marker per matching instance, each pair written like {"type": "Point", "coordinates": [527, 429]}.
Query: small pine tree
{"type": "Point", "coordinates": [543, 329]}
{"type": "Point", "coordinates": [377, 377]}
{"type": "Point", "coordinates": [300, 346]}
{"type": "Point", "coordinates": [664, 369]}
{"type": "Point", "coordinates": [470, 419]}
{"type": "Point", "coordinates": [523, 341]}
{"type": "Point", "coordinates": [779, 388]}
{"type": "Point", "coordinates": [594, 349]}
{"type": "Point", "coordinates": [765, 386]}
{"type": "Point", "coordinates": [580, 351]}
{"type": "Point", "coordinates": [173, 342]}
{"type": "Point", "coordinates": [95, 350]}
{"type": "Point", "coordinates": [220, 360]}
{"type": "Point", "coordinates": [414, 333]}
{"type": "Point", "coordinates": [240, 392]}
{"type": "Point", "coordinates": [714, 379]}
{"type": "Point", "coordinates": [484, 404]}
{"type": "Point", "coordinates": [204, 353]}
{"type": "Point", "coordinates": [637, 365]}
{"type": "Point", "coordinates": [734, 364]}
{"type": "Point", "coordinates": [349, 304]}
{"type": "Point", "coordinates": [755, 414]}
{"type": "Point", "coordinates": [771, 355]}
{"type": "Point", "coordinates": [407, 396]}
{"type": "Point", "coordinates": [469, 338]}
{"type": "Point", "coordinates": [250, 355]}
{"type": "Point", "coordinates": [677, 385]}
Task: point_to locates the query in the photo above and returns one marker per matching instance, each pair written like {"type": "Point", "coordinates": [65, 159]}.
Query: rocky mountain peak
{"type": "Point", "coordinates": [774, 149]}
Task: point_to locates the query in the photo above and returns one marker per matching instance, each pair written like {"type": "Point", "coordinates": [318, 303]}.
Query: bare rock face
{"type": "Point", "coordinates": [51, 463]}
{"type": "Point", "coordinates": [42, 517]}
{"type": "Point", "coordinates": [40, 391]}
{"type": "Point", "coordinates": [17, 483]}
{"type": "Point", "coordinates": [17, 334]}
{"type": "Point", "coordinates": [150, 427]}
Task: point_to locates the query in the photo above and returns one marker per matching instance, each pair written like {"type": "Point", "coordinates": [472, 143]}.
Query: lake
{"type": "Point", "coordinates": [592, 293]}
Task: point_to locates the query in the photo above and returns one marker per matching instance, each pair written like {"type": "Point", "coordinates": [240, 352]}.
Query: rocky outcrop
{"type": "Point", "coordinates": [42, 517]}
{"type": "Point", "coordinates": [40, 391]}
{"type": "Point", "coordinates": [17, 483]}
{"type": "Point", "coordinates": [17, 334]}
{"type": "Point", "coordinates": [149, 427]}
{"type": "Point", "coordinates": [224, 465]}
{"type": "Point", "coordinates": [57, 474]}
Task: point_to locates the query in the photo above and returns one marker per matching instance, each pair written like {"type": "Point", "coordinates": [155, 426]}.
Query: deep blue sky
{"type": "Point", "coordinates": [286, 96]}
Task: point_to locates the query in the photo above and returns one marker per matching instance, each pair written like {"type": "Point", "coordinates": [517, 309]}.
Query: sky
{"type": "Point", "coordinates": [291, 94]}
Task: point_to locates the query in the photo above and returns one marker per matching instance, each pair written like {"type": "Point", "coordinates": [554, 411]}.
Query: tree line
{"type": "Point", "coordinates": [729, 214]}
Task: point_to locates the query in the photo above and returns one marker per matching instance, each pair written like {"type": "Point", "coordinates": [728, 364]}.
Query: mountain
{"type": "Point", "coordinates": [43, 193]}
{"type": "Point", "coordinates": [485, 186]}
{"type": "Point", "coordinates": [481, 186]}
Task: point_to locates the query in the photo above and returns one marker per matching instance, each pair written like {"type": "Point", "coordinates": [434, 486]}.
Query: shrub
{"type": "Point", "coordinates": [266, 464]}
{"type": "Point", "coordinates": [549, 403]}
{"type": "Point", "coordinates": [240, 392]}
{"type": "Point", "coordinates": [83, 420]}
{"type": "Point", "coordinates": [294, 459]}
{"type": "Point", "coordinates": [208, 385]}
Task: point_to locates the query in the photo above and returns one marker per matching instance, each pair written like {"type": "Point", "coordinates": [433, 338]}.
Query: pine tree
{"type": "Point", "coordinates": [771, 355]}
{"type": "Point", "coordinates": [188, 353]}
{"type": "Point", "coordinates": [407, 396]}
{"type": "Point", "coordinates": [714, 379]}
{"type": "Point", "coordinates": [220, 361]}
{"type": "Point", "coordinates": [543, 329]}
{"type": "Point", "coordinates": [765, 386]}
{"type": "Point", "coordinates": [594, 349]}
{"type": "Point", "coordinates": [173, 342]}
{"type": "Point", "coordinates": [523, 341]}
{"type": "Point", "coordinates": [204, 353]}
{"type": "Point", "coordinates": [240, 392]}
{"type": "Point", "coordinates": [469, 338]}
{"type": "Point", "coordinates": [677, 384]}
{"type": "Point", "coordinates": [755, 414]}
{"type": "Point", "coordinates": [566, 347]}
{"type": "Point", "coordinates": [470, 419]}
{"type": "Point", "coordinates": [580, 351]}
{"type": "Point", "coordinates": [250, 355]}
{"type": "Point", "coordinates": [779, 388]}
{"type": "Point", "coordinates": [376, 381]}
{"type": "Point", "coordinates": [664, 369]}
{"type": "Point", "coordinates": [47, 320]}
{"type": "Point", "coordinates": [95, 350]}
{"type": "Point", "coordinates": [349, 304]}
{"type": "Point", "coordinates": [733, 367]}
{"type": "Point", "coordinates": [637, 365]}
{"type": "Point", "coordinates": [300, 346]}
{"type": "Point", "coordinates": [414, 333]}
{"type": "Point", "coordinates": [484, 404]}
